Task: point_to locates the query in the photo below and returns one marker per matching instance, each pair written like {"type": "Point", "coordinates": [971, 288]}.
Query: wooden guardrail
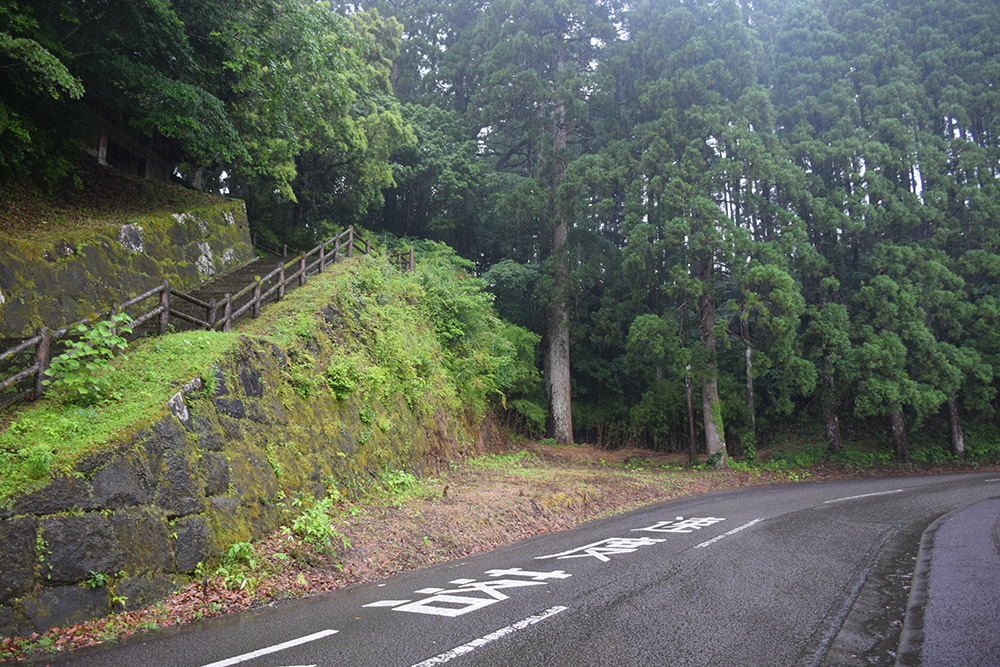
{"type": "Point", "coordinates": [38, 350]}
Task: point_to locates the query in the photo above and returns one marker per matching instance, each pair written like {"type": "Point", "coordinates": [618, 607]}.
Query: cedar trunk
{"type": "Point", "coordinates": [957, 438]}
{"type": "Point", "coordinates": [692, 441]}
{"type": "Point", "coordinates": [557, 319]}
{"type": "Point", "coordinates": [898, 424]}
{"type": "Point", "coordinates": [748, 353]}
{"type": "Point", "coordinates": [711, 407]}
{"type": "Point", "coordinates": [833, 442]}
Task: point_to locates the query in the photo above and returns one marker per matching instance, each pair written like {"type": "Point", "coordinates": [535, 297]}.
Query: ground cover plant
{"type": "Point", "coordinates": [51, 435]}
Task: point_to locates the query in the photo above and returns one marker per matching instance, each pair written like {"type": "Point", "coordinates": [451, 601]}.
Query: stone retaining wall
{"type": "Point", "coordinates": [212, 469]}
{"type": "Point", "coordinates": [53, 283]}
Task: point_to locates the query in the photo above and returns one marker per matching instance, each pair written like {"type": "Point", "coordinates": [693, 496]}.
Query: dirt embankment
{"type": "Point", "coordinates": [474, 506]}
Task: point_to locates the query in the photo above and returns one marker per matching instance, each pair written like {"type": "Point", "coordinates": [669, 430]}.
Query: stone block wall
{"type": "Point", "coordinates": [214, 468]}
{"type": "Point", "coordinates": [52, 283]}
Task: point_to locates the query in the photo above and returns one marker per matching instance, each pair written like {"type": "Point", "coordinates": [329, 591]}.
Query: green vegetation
{"type": "Point", "coordinates": [54, 434]}
{"type": "Point", "coordinates": [726, 213]}
{"type": "Point", "coordinates": [508, 460]}
{"type": "Point", "coordinates": [314, 525]}
{"type": "Point", "coordinates": [394, 340]}
{"type": "Point", "coordinates": [80, 375]}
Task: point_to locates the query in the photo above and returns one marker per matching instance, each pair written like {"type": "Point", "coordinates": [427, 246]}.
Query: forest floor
{"type": "Point", "coordinates": [407, 523]}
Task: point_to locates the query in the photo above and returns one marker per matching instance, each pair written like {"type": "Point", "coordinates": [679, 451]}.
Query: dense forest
{"type": "Point", "coordinates": [723, 218]}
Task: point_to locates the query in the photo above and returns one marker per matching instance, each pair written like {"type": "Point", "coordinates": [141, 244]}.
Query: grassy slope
{"type": "Point", "coordinates": [145, 377]}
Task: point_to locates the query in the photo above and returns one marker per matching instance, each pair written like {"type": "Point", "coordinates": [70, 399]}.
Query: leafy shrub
{"type": "Point", "coordinates": [982, 440]}
{"type": "Point", "coordinates": [79, 374]}
{"type": "Point", "coordinates": [935, 454]}
{"type": "Point", "coordinates": [397, 482]}
{"type": "Point", "coordinates": [531, 415]}
{"type": "Point", "coordinates": [314, 525]}
{"type": "Point", "coordinates": [242, 553]}
{"type": "Point", "coordinates": [799, 458]}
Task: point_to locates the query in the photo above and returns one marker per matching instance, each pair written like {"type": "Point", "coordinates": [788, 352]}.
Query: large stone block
{"type": "Point", "coordinates": [64, 605]}
{"type": "Point", "coordinates": [216, 470]}
{"type": "Point", "coordinates": [178, 491]}
{"type": "Point", "coordinates": [77, 546]}
{"type": "Point", "coordinates": [61, 495]}
{"type": "Point", "coordinates": [144, 540]}
{"type": "Point", "coordinates": [17, 557]}
{"type": "Point", "coordinates": [121, 484]}
{"type": "Point", "coordinates": [192, 544]}
{"type": "Point", "coordinates": [137, 592]}
{"type": "Point", "coordinates": [251, 381]}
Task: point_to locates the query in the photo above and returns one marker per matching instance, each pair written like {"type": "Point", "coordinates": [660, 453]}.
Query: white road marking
{"type": "Point", "coordinates": [486, 639]}
{"type": "Point", "coordinates": [993, 480]}
{"type": "Point", "coordinates": [727, 534]}
{"type": "Point", "coordinates": [609, 547]}
{"type": "Point", "coordinates": [863, 495]}
{"type": "Point", "coordinates": [386, 603]}
{"type": "Point", "coordinates": [272, 649]}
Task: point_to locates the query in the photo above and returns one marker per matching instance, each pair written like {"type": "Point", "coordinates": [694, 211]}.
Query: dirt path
{"type": "Point", "coordinates": [406, 523]}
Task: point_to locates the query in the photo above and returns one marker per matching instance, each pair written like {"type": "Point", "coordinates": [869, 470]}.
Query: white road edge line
{"type": "Point", "coordinates": [993, 480]}
{"type": "Point", "coordinates": [272, 649]}
{"type": "Point", "coordinates": [727, 534]}
{"type": "Point", "coordinates": [486, 639]}
{"type": "Point", "coordinates": [863, 495]}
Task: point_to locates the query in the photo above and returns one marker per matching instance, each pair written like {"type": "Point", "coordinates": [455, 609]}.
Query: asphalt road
{"type": "Point", "coordinates": [800, 574]}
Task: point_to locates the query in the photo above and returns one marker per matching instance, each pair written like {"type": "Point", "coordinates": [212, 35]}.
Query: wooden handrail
{"type": "Point", "coordinates": [301, 268]}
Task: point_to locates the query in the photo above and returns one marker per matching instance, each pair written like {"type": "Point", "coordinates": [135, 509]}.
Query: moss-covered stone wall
{"type": "Point", "coordinates": [218, 465]}
{"type": "Point", "coordinates": [52, 283]}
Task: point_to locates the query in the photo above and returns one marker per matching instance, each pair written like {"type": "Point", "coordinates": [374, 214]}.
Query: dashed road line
{"type": "Point", "coordinates": [727, 534]}
{"type": "Point", "coordinates": [863, 495]}
{"type": "Point", "coordinates": [486, 639]}
{"type": "Point", "coordinates": [271, 649]}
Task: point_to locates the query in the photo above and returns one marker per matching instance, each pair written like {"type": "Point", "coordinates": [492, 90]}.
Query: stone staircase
{"type": "Point", "coordinates": [231, 282]}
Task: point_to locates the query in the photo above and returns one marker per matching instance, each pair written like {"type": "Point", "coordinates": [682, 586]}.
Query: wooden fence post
{"type": "Point", "coordinates": [302, 269]}
{"type": "Point", "coordinates": [165, 304]}
{"type": "Point", "coordinates": [42, 359]}
{"type": "Point", "coordinates": [281, 281]}
{"type": "Point", "coordinates": [256, 298]}
{"type": "Point", "coordinates": [322, 256]}
{"type": "Point", "coordinates": [350, 241]}
{"type": "Point", "coordinates": [210, 315]}
{"type": "Point", "coordinates": [227, 313]}
{"type": "Point", "coordinates": [368, 247]}
{"type": "Point", "coordinates": [411, 259]}
{"type": "Point", "coordinates": [284, 251]}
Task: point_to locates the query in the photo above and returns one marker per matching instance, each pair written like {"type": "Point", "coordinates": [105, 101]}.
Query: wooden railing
{"type": "Point", "coordinates": [37, 351]}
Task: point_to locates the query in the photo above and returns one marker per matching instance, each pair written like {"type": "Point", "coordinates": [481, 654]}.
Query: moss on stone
{"type": "Point", "coordinates": [51, 283]}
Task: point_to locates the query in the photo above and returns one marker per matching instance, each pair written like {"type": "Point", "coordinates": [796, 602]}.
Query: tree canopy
{"type": "Point", "coordinates": [718, 215]}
